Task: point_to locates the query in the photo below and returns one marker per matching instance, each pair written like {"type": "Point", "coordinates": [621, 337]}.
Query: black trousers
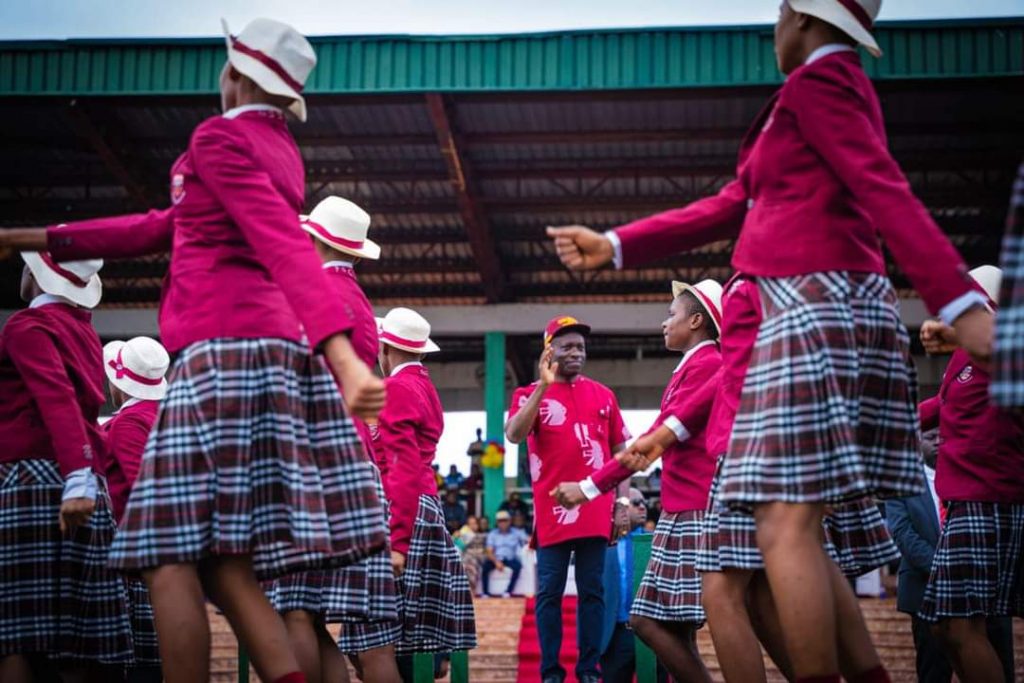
{"type": "Point", "coordinates": [932, 665]}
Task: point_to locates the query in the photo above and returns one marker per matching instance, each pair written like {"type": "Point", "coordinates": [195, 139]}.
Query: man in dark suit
{"type": "Point", "coordinates": [618, 647]}
{"type": "Point", "coordinates": [914, 524]}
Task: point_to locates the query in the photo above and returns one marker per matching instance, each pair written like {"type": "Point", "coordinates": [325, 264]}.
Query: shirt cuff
{"type": "Point", "coordinates": [80, 484]}
{"type": "Point", "coordinates": [677, 427]}
{"type": "Point", "coordinates": [955, 308]}
{"type": "Point", "coordinates": [616, 248]}
{"type": "Point", "coordinates": [590, 489]}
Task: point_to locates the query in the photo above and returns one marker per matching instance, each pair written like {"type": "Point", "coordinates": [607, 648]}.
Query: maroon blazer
{"type": "Point", "coordinates": [816, 190]}
{"type": "Point", "coordinates": [51, 387]}
{"type": "Point", "coordinates": [407, 433]}
{"type": "Point", "coordinates": [981, 446]}
{"type": "Point", "coordinates": [126, 432]}
{"type": "Point", "coordinates": [687, 469]}
{"type": "Point", "coordinates": [240, 264]}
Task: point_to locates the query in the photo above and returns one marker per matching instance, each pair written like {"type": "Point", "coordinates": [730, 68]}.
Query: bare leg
{"type": "Point", "coordinates": [15, 669]}
{"type": "Point", "coordinates": [232, 585]}
{"type": "Point", "coordinates": [724, 597]}
{"type": "Point", "coordinates": [789, 536]}
{"type": "Point", "coordinates": [675, 643]}
{"type": "Point", "coordinates": [183, 630]}
{"type": "Point", "coordinates": [856, 651]}
{"type": "Point", "coordinates": [304, 643]}
{"type": "Point", "coordinates": [333, 668]}
{"type": "Point", "coordinates": [969, 650]}
{"type": "Point", "coordinates": [765, 619]}
{"type": "Point", "coordinates": [379, 666]}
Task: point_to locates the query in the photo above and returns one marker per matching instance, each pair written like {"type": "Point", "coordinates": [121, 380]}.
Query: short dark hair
{"type": "Point", "coordinates": [693, 305]}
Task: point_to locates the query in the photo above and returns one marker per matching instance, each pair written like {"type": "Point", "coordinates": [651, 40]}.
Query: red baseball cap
{"type": "Point", "coordinates": [562, 324]}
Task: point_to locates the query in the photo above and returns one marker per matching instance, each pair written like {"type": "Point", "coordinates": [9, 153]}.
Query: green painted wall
{"type": "Point", "coordinates": [569, 60]}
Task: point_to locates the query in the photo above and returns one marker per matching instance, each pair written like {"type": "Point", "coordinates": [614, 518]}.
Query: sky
{"type": "Point", "coordinates": [32, 19]}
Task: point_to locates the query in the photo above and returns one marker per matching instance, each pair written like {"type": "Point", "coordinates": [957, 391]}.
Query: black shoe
{"type": "Point", "coordinates": [590, 679]}
{"type": "Point", "coordinates": [552, 679]}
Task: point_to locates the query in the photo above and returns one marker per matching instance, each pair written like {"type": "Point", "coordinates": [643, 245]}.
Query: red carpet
{"type": "Point", "coordinates": [529, 644]}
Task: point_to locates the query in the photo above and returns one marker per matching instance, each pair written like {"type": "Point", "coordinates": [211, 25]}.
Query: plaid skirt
{"type": "Point", "coordinates": [670, 588]}
{"type": "Point", "coordinates": [140, 610]}
{"type": "Point", "coordinates": [252, 454]}
{"type": "Point", "coordinates": [1007, 388]}
{"type": "Point", "coordinates": [364, 591]}
{"type": "Point", "coordinates": [363, 636]}
{"type": "Point", "coordinates": [828, 412]}
{"type": "Point", "coordinates": [57, 595]}
{"type": "Point", "coordinates": [437, 604]}
{"type": "Point", "coordinates": [979, 565]}
{"type": "Point", "coordinates": [857, 538]}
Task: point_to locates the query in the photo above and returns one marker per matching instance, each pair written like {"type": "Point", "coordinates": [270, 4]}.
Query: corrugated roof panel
{"type": "Point", "coordinates": [571, 60]}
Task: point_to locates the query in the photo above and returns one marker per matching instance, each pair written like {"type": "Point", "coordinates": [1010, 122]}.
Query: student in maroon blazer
{"type": "Point", "coordinates": [243, 299]}
{"type": "Point", "coordinates": [816, 189]}
{"type": "Point", "coordinates": [667, 612]}
{"type": "Point", "coordinates": [59, 599]}
{"type": "Point", "coordinates": [437, 604]}
{"type": "Point", "coordinates": [979, 478]}
{"type": "Point", "coordinates": [361, 598]}
{"type": "Point", "coordinates": [135, 377]}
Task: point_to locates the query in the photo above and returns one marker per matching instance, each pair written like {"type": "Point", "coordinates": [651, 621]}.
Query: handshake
{"type": "Point", "coordinates": [640, 455]}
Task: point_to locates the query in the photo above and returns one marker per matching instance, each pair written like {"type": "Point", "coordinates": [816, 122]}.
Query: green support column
{"type": "Point", "coordinates": [243, 665]}
{"type": "Point", "coordinates": [646, 662]}
{"type": "Point", "coordinates": [494, 404]}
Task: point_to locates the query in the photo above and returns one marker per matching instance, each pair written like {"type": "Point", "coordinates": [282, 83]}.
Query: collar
{"type": "Point", "coordinates": [403, 366]}
{"type": "Point", "coordinates": [338, 264]}
{"type": "Point", "coordinates": [689, 354]}
{"type": "Point", "coordinates": [236, 111]}
{"type": "Point", "coordinates": [826, 50]}
{"type": "Point", "coordinates": [128, 404]}
{"type": "Point", "coordinates": [45, 299]}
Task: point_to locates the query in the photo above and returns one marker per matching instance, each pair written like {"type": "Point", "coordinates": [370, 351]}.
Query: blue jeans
{"type": "Point", "coordinates": [515, 565]}
{"type": "Point", "coordinates": [552, 569]}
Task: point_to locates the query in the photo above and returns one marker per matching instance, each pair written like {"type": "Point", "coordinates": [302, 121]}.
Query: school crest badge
{"type": "Point", "coordinates": [177, 188]}
{"type": "Point", "coordinates": [965, 375]}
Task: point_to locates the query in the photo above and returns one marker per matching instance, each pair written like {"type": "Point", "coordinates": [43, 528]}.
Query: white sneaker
{"type": "Point", "coordinates": [506, 594]}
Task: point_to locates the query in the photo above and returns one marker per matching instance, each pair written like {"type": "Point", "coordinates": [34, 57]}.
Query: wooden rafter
{"type": "Point", "coordinates": [474, 218]}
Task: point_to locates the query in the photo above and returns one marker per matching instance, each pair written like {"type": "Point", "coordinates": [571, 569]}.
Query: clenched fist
{"type": "Point", "coordinates": [581, 248]}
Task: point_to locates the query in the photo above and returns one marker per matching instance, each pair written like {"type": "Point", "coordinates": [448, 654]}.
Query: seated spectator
{"type": "Point", "coordinates": [503, 546]}
{"type": "Point", "coordinates": [454, 511]}
{"type": "Point", "coordinates": [514, 504]}
{"type": "Point", "coordinates": [438, 479]}
{"type": "Point", "coordinates": [454, 480]}
{"type": "Point", "coordinates": [473, 544]}
{"type": "Point", "coordinates": [485, 525]}
{"type": "Point", "coordinates": [521, 522]}
{"type": "Point", "coordinates": [654, 481]}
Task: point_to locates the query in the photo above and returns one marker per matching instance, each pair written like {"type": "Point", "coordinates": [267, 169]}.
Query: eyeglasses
{"type": "Point", "coordinates": [638, 502]}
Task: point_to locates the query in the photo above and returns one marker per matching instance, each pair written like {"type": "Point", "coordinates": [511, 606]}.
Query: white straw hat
{"type": "Point", "coordinates": [405, 329]}
{"type": "Point", "coordinates": [76, 281]}
{"type": "Point", "coordinates": [855, 18]}
{"type": "Point", "coordinates": [709, 294]}
{"type": "Point", "coordinates": [341, 225]}
{"type": "Point", "coordinates": [275, 56]}
{"type": "Point", "coordinates": [990, 278]}
{"type": "Point", "coordinates": [137, 367]}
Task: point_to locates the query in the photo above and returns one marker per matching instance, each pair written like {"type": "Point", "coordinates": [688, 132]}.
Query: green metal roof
{"type": "Point", "coordinates": [568, 60]}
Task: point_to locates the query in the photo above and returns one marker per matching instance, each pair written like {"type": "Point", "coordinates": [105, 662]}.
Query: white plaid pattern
{"type": "Point", "coordinates": [670, 588]}
{"type": "Point", "coordinates": [1007, 388]}
{"type": "Point", "coordinates": [437, 604]}
{"type": "Point", "coordinates": [252, 453]}
{"type": "Point", "coordinates": [979, 565]}
{"type": "Point", "coordinates": [829, 409]}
